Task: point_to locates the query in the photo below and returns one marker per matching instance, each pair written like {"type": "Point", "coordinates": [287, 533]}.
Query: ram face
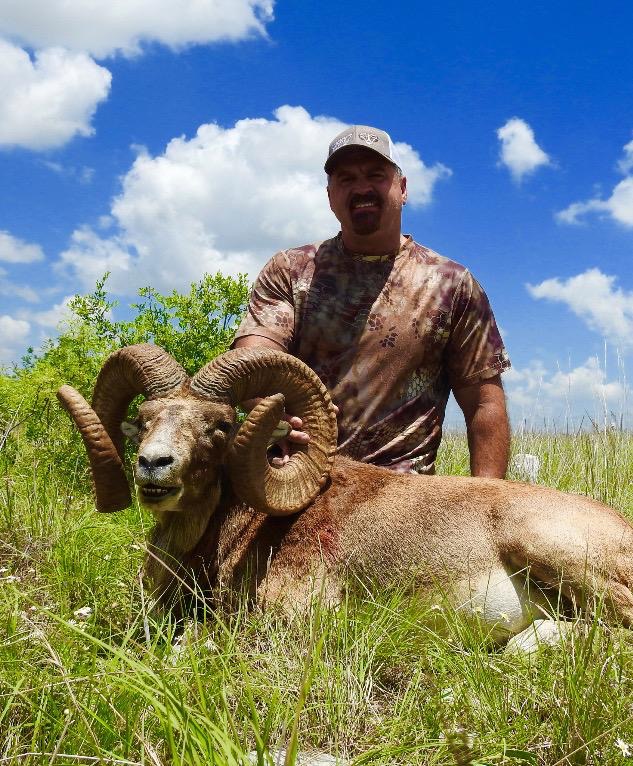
{"type": "Point", "coordinates": [182, 449]}
{"type": "Point", "coordinates": [186, 429]}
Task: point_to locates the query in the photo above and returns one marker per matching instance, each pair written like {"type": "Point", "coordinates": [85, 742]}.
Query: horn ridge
{"type": "Point", "coordinates": [112, 492]}
{"type": "Point", "coordinates": [139, 369]}
{"type": "Point", "coordinates": [243, 374]}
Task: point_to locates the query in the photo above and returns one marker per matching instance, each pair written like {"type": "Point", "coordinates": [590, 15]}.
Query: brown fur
{"type": "Point", "coordinates": [387, 528]}
{"type": "Point", "coordinates": [367, 523]}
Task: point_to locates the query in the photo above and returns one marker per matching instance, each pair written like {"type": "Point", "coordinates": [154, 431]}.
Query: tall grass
{"type": "Point", "coordinates": [88, 676]}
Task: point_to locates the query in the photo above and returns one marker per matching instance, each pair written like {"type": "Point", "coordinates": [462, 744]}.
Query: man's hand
{"type": "Point", "coordinates": [484, 406]}
{"type": "Point", "coordinates": [280, 450]}
{"type": "Point", "coordinates": [279, 453]}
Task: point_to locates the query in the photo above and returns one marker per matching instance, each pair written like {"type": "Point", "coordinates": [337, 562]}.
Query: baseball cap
{"type": "Point", "coordinates": [362, 135]}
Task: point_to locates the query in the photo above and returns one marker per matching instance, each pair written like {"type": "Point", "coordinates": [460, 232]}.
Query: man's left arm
{"type": "Point", "coordinates": [484, 406]}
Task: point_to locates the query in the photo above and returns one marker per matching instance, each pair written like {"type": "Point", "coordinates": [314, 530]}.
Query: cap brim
{"type": "Point", "coordinates": [338, 155]}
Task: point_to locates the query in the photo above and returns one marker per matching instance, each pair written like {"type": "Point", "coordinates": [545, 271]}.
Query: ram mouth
{"type": "Point", "coordinates": [152, 493]}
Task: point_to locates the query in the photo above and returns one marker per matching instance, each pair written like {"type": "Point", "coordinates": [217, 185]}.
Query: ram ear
{"type": "Point", "coordinates": [131, 431]}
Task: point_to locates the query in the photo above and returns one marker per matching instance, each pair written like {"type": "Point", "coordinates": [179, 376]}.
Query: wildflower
{"type": "Point", "coordinates": [623, 747]}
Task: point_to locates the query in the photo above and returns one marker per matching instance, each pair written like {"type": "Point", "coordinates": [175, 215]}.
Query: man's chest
{"type": "Point", "coordinates": [372, 310]}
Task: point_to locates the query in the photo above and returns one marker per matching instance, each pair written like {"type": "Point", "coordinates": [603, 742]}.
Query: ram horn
{"type": "Point", "coordinates": [112, 491]}
{"type": "Point", "coordinates": [244, 374]}
{"type": "Point", "coordinates": [130, 371]}
{"type": "Point", "coordinates": [141, 369]}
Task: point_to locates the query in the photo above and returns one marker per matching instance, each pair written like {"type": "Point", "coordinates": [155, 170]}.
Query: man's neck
{"type": "Point", "coordinates": [368, 245]}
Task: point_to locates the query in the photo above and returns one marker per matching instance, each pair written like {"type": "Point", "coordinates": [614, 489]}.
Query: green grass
{"type": "Point", "coordinates": [369, 681]}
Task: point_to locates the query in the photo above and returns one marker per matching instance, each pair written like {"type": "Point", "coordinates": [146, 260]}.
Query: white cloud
{"type": "Point", "coordinates": [83, 174]}
{"type": "Point", "coordinates": [224, 200]}
{"type": "Point", "coordinates": [619, 206]}
{"type": "Point", "coordinates": [56, 315]}
{"type": "Point", "coordinates": [11, 290]}
{"type": "Point", "coordinates": [541, 397]}
{"type": "Point", "coordinates": [103, 28]}
{"type": "Point", "coordinates": [48, 100]}
{"type": "Point", "coordinates": [13, 336]}
{"type": "Point", "coordinates": [594, 298]}
{"type": "Point", "coordinates": [519, 151]}
{"type": "Point", "coordinates": [421, 179]}
{"type": "Point", "coordinates": [625, 165]}
{"type": "Point", "coordinates": [14, 250]}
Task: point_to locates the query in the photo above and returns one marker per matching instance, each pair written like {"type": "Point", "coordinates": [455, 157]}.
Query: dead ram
{"type": "Point", "coordinates": [226, 519]}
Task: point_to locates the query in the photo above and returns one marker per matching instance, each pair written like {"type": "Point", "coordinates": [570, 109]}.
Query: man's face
{"type": "Point", "coordinates": [366, 193]}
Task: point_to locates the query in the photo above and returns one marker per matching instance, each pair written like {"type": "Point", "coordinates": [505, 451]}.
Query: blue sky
{"type": "Point", "coordinates": [160, 146]}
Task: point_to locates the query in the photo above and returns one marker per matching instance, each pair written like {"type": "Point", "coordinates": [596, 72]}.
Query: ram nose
{"type": "Point", "coordinates": [151, 464]}
{"type": "Point", "coordinates": [155, 460]}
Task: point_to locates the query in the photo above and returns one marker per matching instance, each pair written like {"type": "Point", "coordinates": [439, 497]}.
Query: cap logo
{"type": "Point", "coordinates": [369, 138]}
{"type": "Point", "coordinates": [340, 142]}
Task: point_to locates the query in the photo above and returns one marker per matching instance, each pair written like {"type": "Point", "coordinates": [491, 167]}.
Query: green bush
{"type": "Point", "coordinates": [193, 326]}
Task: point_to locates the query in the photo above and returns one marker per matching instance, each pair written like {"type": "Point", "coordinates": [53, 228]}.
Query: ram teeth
{"type": "Point", "coordinates": [157, 491]}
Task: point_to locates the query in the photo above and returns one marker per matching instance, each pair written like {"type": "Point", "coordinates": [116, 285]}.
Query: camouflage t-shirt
{"type": "Point", "coordinates": [389, 336]}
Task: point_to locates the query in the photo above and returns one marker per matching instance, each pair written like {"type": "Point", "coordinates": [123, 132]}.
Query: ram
{"type": "Point", "coordinates": [227, 520]}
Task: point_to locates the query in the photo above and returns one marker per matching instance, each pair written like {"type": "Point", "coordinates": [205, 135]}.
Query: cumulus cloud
{"type": "Point", "coordinates": [11, 290]}
{"type": "Point", "coordinates": [225, 200]}
{"type": "Point", "coordinates": [103, 28]}
{"type": "Point", "coordinates": [595, 298]}
{"type": "Point", "coordinates": [49, 99]}
{"type": "Point", "coordinates": [618, 206]}
{"type": "Point", "coordinates": [13, 336]}
{"type": "Point", "coordinates": [14, 250]}
{"type": "Point", "coordinates": [519, 151]}
{"type": "Point", "coordinates": [55, 316]}
{"type": "Point", "coordinates": [541, 397]}
{"type": "Point", "coordinates": [625, 165]}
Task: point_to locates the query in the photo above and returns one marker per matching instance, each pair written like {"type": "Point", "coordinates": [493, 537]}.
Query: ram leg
{"type": "Point", "coordinates": [590, 588]}
{"type": "Point", "coordinates": [296, 595]}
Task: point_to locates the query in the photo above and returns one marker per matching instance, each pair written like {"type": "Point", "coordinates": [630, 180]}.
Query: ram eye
{"type": "Point", "coordinates": [131, 430]}
{"type": "Point", "coordinates": [224, 425]}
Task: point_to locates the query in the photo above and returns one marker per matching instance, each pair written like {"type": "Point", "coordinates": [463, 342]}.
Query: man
{"type": "Point", "coordinates": [388, 325]}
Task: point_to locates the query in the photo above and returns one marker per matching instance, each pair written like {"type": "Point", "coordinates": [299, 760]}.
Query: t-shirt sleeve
{"type": "Point", "coordinates": [270, 311]}
{"type": "Point", "coordinates": [475, 350]}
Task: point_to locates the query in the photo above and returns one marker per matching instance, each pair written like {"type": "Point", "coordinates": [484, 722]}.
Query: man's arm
{"type": "Point", "coordinates": [484, 407]}
{"type": "Point", "coordinates": [250, 341]}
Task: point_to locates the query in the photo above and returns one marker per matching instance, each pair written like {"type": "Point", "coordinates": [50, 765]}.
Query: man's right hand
{"type": "Point", "coordinates": [279, 453]}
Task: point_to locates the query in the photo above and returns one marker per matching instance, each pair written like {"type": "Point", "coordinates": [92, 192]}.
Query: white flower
{"type": "Point", "coordinates": [623, 747]}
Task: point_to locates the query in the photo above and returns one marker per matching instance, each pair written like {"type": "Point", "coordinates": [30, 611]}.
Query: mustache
{"type": "Point", "coordinates": [357, 199]}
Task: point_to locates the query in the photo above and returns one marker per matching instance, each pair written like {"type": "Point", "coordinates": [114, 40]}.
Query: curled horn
{"type": "Point", "coordinates": [110, 483]}
{"type": "Point", "coordinates": [141, 369]}
{"type": "Point", "coordinates": [244, 374]}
